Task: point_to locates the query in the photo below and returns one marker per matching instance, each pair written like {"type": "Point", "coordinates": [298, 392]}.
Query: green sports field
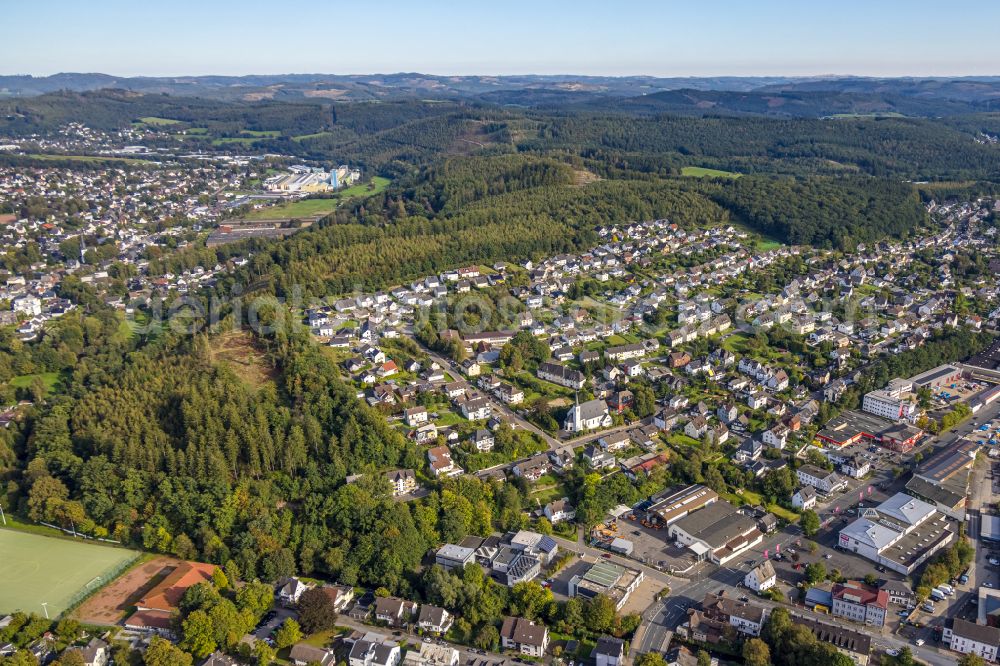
{"type": "Point", "coordinates": [36, 569]}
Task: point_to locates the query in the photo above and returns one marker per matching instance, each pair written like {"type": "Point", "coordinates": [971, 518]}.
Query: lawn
{"type": "Point", "coordinates": [704, 172]}
{"type": "Point", "coordinates": [301, 208]}
{"type": "Point", "coordinates": [362, 190]}
{"type": "Point", "coordinates": [449, 418]}
{"type": "Point", "coordinates": [679, 439]}
{"type": "Point", "coordinates": [736, 343]}
{"type": "Point", "coordinates": [155, 120]}
{"type": "Point", "coordinates": [766, 245]}
{"type": "Point", "coordinates": [39, 569]}
{"type": "Point", "coordinates": [304, 137]}
{"type": "Point", "coordinates": [783, 513]}
{"type": "Point", "coordinates": [50, 379]}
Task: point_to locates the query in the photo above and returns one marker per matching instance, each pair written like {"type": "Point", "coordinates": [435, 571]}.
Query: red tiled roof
{"type": "Point", "coordinates": [865, 595]}
{"type": "Point", "coordinates": [149, 619]}
{"type": "Point", "coordinates": [166, 595]}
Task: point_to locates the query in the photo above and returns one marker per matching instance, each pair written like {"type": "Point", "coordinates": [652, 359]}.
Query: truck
{"type": "Point", "coordinates": [937, 594]}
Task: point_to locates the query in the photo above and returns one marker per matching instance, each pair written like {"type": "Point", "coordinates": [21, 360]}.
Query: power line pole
{"type": "Point", "coordinates": [3, 517]}
{"type": "Point", "coordinates": [45, 607]}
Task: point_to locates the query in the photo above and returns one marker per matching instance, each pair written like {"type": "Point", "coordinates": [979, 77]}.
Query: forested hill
{"type": "Point", "coordinates": [628, 137]}
{"type": "Point", "coordinates": [158, 444]}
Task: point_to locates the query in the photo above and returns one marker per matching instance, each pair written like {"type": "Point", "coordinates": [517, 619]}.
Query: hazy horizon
{"type": "Point", "coordinates": [248, 74]}
{"type": "Point", "coordinates": [882, 40]}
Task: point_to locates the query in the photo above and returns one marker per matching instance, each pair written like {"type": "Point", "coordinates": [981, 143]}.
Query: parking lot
{"type": "Point", "coordinates": [650, 546]}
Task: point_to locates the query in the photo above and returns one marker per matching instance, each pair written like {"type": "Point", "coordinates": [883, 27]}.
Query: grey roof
{"type": "Point", "coordinates": [976, 632]}
{"type": "Point", "coordinates": [592, 409]}
{"type": "Point", "coordinates": [522, 631]}
{"type": "Point", "coordinates": [305, 652]}
{"type": "Point", "coordinates": [432, 614]}
{"type": "Point", "coordinates": [905, 508]}
{"type": "Point", "coordinates": [807, 491]}
{"type": "Point", "coordinates": [451, 551]}
{"type": "Point", "coordinates": [933, 492]}
{"type": "Point", "coordinates": [875, 535]}
{"type": "Point", "coordinates": [608, 645]}
{"type": "Point", "coordinates": [716, 524]}
{"type": "Point", "coordinates": [764, 570]}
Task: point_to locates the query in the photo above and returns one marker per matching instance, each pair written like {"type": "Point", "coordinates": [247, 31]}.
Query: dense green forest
{"type": "Point", "coordinates": [388, 136]}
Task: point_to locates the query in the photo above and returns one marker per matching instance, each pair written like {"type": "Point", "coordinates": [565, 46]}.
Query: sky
{"type": "Point", "coordinates": [657, 38]}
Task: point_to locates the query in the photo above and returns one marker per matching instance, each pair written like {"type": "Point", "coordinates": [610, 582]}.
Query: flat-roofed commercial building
{"type": "Point", "coordinates": [851, 427]}
{"type": "Point", "coordinates": [718, 532]}
{"type": "Point", "coordinates": [612, 580]}
{"type": "Point", "coordinates": [939, 377]}
{"type": "Point", "coordinates": [680, 503]}
{"type": "Point", "coordinates": [948, 498]}
{"type": "Point", "coordinates": [900, 534]}
{"type": "Point", "coordinates": [949, 461]}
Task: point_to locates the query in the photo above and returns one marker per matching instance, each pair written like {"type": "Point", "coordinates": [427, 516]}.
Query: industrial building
{"type": "Point", "coordinates": [612, 580]}
{"type": "Point", "coordinates": [678, 503]}
{"type": "Point", "coordinates": [717, 532]}
{"type": "Point", "coordinates": [308, 180]}
{"type": "Point", "coordinates": [901, 533]}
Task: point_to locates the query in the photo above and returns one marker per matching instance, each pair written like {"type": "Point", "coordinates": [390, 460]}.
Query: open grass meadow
{"type": "Point", "coordinates": [49, 379]}
{"type": "Point", "coordinates": [294, 209]}
{"type": "Point", "coordinates": [38, 569]}
{"type": "Point", "coordinates": [156, 120]}
{"type": "Point", "coordinates": [705, 172]}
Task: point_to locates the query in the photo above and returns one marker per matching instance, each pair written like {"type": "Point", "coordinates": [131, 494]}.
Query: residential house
{"type": "Point", "coordinates": [374, 650]}
{"type": "Point", "coordinates": [609, 651]}
{"type": "Point", "coordinates": [820, 479]}
{"type": "Point", "coordinates": [761, 578]}
{"type": "Point", "coordinates": [559, 510]}
{"type": "Point", "coordinates": [434, 619]}
{"type": "Point", "coordinates": [804, 498]}
{"type": "Point", "coordinates": [415, 416]}
{"type": "Point", "coordinates": [776, 437]}
{"type": "Point", "coordinates": [403, 481]}
{"type": "Point", "coordinates": [441, 463]}
{"type": "Point", "coordinates": [95, 653]}
{"type": "Point", "coordinates": [477, 409]}
{"type": "Point", "coordinates": [967, 637]}
{"type": "Point", "coordinates": [614, 442]}
{"type": "Point", "coordinates": [598, 458]}
{"type": "Point", "coordinates": [483, 440]}
{"type": "Point", "coordinates": [696, 427]}
{"type": "Point", "coordinates": [289, 590]}
{"type": "Point", "coordinates": [860, 603]}
{"type": "Point", "coordinates": [302, 654]}
{"type": "Point", "coordinates": [524, 636]}
{"type": "Point", "coordinates": [394, 611]}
